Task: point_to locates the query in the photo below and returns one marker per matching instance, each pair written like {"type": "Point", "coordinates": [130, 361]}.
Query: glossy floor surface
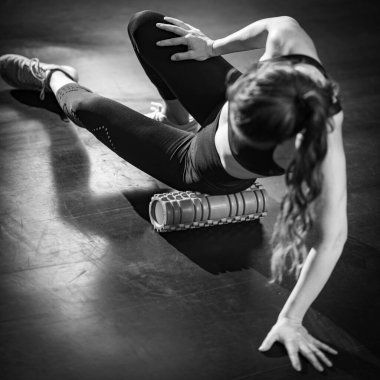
{"type": "Point", "coordinates": [89, 291]}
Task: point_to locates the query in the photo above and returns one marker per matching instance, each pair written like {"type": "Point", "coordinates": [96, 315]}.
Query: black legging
{"type": "Point", "coordinates": [178, 158]}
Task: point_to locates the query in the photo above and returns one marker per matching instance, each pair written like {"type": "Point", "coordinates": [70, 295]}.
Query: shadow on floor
{"type": "Point", "coordinates": [216, 249]}
{"type": "Point", "coordinates": [31, 98]}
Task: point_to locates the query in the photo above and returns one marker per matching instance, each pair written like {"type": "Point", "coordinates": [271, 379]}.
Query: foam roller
{"type": "Point", "coordinates": [181, 210]}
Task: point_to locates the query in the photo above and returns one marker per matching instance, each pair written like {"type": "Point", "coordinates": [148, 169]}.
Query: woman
{"type": "Point", "coordinates": [244, 119]}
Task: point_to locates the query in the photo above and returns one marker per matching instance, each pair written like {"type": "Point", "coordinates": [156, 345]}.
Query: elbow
{"type": "Point", "coordinates": [288, 20]}
{"type": "Point", "coordinates": [342, 234]}
{"type": "Point", "coordinates": [339, 232]}
{"type": "Point", "coordinates": [341, 238]}
{"type": "Point", "coordinates": [285, 29]}
{"type": "Point", "coordinates": [334, 239]}
{"type": "Point", "coordinates": [333, 244]}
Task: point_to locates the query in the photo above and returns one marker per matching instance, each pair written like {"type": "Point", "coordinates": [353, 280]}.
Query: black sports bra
{"type": "Point", "coordinates": [261, 161]}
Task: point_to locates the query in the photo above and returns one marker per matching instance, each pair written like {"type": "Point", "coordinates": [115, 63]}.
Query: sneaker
{"type": "Point", "coordinates": [31, 74]}
{"type": "Point", "coordinates": [158, 115]}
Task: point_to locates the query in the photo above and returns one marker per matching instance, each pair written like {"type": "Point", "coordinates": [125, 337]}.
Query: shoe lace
{"type": "Point", "coordinates": [158, 109]}
{"type": "Point", "coordinates": [39, 73]}
{"type": "Point", "coordinates": [158, 114]}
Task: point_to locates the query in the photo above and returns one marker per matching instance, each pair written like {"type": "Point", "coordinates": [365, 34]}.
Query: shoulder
{"type": "Point", "coordinates": [286, 36]}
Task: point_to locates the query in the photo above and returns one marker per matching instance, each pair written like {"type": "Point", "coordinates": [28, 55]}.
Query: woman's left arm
{"type": "Point", "coordinates": [331, 230]}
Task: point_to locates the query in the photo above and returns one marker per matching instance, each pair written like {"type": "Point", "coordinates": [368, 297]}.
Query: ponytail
{"type": "Point", "coordinates": [274, 102]}
{"type": "Point", "coordinates": [304, 183]}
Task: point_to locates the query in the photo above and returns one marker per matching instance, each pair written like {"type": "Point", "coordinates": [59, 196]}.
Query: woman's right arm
{"type": "Point", "coordinates": [263, 33]}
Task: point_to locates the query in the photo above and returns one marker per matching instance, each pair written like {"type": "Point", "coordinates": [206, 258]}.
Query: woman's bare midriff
{"type": "Point", "coordinates": [230, 165]}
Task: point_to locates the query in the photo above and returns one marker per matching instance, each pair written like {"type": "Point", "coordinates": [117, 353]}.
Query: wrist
{"type": "Point", "coordinates": [211, 48]}
{"type": "Point", "coordinates": [291, 319]}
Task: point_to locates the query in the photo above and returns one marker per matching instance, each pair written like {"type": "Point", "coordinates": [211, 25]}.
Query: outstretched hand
{"type": "Point", "coordinates": [297, 340]}
{"type": "Point", "coordinates": [199, 45]}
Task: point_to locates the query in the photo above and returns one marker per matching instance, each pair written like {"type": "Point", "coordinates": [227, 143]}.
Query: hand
{"type": "Point", "coordinates": [199, 45]}
{"type": "Point", "coordinates": [297, 340]}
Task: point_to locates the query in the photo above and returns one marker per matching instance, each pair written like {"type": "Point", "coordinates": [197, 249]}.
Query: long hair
{"type": "Point", "coordinates": [272, 104]}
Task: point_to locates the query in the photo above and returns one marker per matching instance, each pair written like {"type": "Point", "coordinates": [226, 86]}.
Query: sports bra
{"type": "Point", "coordinates": [261, 161]}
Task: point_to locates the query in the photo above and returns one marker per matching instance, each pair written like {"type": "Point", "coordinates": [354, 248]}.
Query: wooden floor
{"type": "Point", "coordinates": [89, 291]}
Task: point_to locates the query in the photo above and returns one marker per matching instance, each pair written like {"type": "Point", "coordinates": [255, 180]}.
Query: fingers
{"type": "Point", "coordinates": [310, 355]}
{"type": "Point", "coordinates": [298, 341]}
{"type": "Point", "coordinates": [177, 22]}
{"type": "Point", "coordinates": [324, 346]}
{"type": "Point", "coordinates": [173, 42]}
{"type": "Point", "coordinates": [322, 357]}
{"type": "Point", "coordinates": [268, 342]}
{"type": "Point", "coordinates": [182, 56]}
{"type": "Point", "coordinates": [315, 355]}
{"type": "Point", "coordinates": [292, 350]}
{"type": "Point", "coordinates": [172, 28]}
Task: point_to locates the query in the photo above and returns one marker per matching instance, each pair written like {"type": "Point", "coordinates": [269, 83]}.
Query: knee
{"type": "Point", "coordinates": [144, 20]}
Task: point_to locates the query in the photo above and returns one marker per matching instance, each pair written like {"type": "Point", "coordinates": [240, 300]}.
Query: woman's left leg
{"type": "Point", "coordinates": [162, 151]}
{"type": "Point", "coordinates": [157, 149]}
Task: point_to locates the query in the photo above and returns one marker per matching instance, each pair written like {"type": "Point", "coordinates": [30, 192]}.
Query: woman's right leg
{"type": "Point", "coordinates": [199, 86]}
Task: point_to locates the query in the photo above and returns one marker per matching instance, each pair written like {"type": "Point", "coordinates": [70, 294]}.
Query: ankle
{"type": "Point", "coordinates": [58, 79]}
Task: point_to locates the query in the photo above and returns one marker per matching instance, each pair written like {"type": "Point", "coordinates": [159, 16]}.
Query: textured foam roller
{"type": "Point", "coordinates": [180, 210]}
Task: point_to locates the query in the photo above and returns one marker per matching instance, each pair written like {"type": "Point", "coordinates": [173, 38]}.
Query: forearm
{"type": "Point", "coordinates": [253, 36]}
{"type": "Point", "coordinates": [315, 273]}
